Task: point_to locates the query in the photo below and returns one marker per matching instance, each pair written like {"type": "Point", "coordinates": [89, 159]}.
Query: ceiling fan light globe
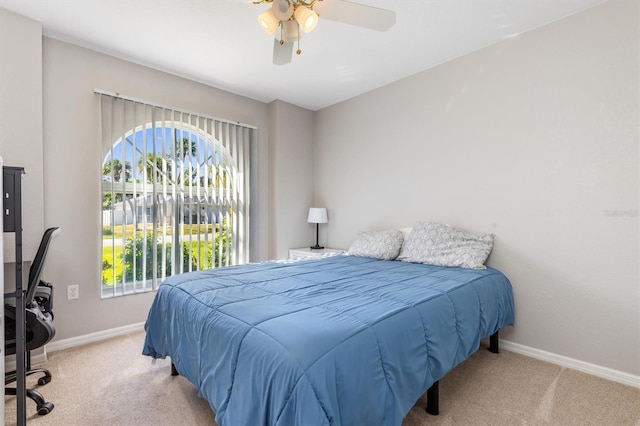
{"type": "Point", "coordinates": [282, 9]}
{"type": "Point", "coordinates": [290, 31]}
{"type": "Point", "coordinates": [307, 18]}
{"type": "Point", "coordinates": [268, 21]}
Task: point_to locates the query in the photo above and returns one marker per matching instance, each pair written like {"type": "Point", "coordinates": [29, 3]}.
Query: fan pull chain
{"type": "Point", "coordinates": [298, 51]}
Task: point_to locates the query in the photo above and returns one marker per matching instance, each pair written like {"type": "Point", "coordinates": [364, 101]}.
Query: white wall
{"type": "Point", "coordinates": [534, 139]}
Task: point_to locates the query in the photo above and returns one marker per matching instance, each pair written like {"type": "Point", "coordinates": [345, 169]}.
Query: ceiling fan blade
{"type": "Point", "coordinates": [282, 52]}
{"type": "Point", "coordinates": [355, 14]}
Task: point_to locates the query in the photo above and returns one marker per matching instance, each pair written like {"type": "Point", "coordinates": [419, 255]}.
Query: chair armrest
{"type": "Point", "coordinates": [44, 296]}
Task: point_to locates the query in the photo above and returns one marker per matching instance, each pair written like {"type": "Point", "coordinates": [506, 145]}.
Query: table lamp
{"type": "Point", "coordinates": [317, 215]}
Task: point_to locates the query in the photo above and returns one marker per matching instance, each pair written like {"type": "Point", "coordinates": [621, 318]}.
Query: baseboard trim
{"type": "Point", "coordinates": [58, 345]}
{"type": "Point", "coordinates": [564, 361]}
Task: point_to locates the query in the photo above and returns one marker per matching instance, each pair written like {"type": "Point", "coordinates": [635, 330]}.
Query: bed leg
{"type": "Point", "coordinates": [493, 343]}
{"type": "Point", "coordinates": [432, 399]}
{"type": "Point", "coordinates": [174, 370]}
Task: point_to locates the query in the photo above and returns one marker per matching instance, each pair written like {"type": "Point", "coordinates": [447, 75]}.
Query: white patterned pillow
{"type": "Point", "coordinates": [383, 245]}
{"type": "Point", "coordinates": [444, 245]}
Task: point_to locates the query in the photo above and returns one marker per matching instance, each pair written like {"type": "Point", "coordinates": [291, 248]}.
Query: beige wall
{"type": "Point", "coordinates": [291, 156]}
{"type": "Point", "coordinates": [534, 139]}
{"type": "Point", "coordinates": [21, 124]}
{"type": "Point", "coordinates": [43, 77]}
{"type": "Point", "coordinates": [73, 168]}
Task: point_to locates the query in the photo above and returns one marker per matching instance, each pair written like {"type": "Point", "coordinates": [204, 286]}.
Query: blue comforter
{"type": "Point", "coordinates": [341, 340]}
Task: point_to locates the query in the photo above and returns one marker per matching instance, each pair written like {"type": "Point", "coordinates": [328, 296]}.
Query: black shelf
{"type": "Point", "coordinates": [12, 222]}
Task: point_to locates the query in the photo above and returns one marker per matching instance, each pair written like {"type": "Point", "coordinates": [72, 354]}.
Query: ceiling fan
{"type": "Point", "coordinates": [287, 18]}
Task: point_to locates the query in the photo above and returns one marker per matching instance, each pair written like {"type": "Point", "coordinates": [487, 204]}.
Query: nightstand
{"type": "Point", "coordinates": [297, 253]}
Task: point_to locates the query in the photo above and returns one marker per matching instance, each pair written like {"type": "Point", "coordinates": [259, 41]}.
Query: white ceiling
{"type": "Point", "coordinates": [219, 43]}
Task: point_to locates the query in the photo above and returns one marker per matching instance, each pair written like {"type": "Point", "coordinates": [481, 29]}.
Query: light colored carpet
{"type": "Point", "coordinates": [110, 383]}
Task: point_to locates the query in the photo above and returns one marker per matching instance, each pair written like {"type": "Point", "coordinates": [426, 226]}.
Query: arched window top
{"type": "Point", "coordinates": [175, 155]}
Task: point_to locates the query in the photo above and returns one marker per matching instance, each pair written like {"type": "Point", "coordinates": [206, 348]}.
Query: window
{"type": "Point", "coordinates": [175, 193]}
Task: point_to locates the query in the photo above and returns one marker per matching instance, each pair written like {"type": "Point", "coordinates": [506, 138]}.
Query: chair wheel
{"type": "Point", "coordinates": [43, 380]}
{"type": "Point", "coordinates": [45, 408]}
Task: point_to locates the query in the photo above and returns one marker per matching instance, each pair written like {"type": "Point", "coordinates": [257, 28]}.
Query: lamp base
{"type": "Point", "coordinates": [317, 247]}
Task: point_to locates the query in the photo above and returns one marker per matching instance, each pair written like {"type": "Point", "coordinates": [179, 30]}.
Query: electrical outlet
{"type": "Point", "coordinates": [73, 292]}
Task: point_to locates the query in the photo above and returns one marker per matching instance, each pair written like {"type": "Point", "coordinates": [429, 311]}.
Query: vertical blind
{"type": "Point", "coordinates": [175, 192]}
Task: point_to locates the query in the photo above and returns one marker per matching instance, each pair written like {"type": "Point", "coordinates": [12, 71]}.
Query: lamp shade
{"type": "Point", "coordinates": [268, 21]}
{"type": "Point", "coordinates": [307, 18]}
{"type": "Point", "coordinates": [317, 215]}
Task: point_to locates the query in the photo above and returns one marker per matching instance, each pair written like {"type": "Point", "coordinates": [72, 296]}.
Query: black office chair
{"type": "Point", "coordinates": [39, 322]}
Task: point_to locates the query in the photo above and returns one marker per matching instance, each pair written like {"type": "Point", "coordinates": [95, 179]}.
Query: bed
{"type": "Point", "coordinates": [340, 340]}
